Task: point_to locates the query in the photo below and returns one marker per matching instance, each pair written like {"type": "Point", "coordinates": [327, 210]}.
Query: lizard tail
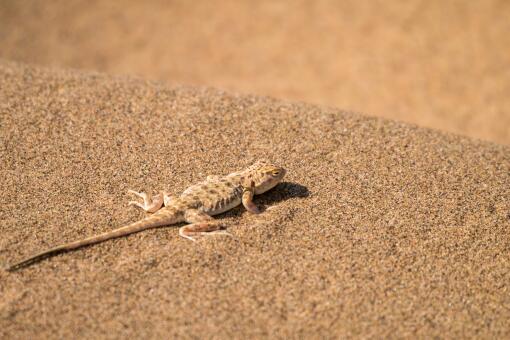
{"type": "Point", "coordinates": [160, 218]}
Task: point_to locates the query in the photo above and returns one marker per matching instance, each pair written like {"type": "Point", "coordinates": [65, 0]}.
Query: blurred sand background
{"type": "Point", "coordinates": [382, 229]}
{"type": "Point", "coordinates": [440, 64]}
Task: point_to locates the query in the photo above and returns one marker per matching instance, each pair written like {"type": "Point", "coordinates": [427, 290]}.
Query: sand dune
{"type": "Point", "coordinates": [381, 228]}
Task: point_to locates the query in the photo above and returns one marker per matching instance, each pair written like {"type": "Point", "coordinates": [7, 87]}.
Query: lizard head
{"type": "Point", "coordinates": [264, 176]}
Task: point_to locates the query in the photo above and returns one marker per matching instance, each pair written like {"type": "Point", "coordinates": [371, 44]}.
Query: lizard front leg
{"type": "Point", "coordinates": [201, 224]}
{"type": "Point", "coordinates": [151, 204]}
{"type": "Point", "coordinates": [247, 199]}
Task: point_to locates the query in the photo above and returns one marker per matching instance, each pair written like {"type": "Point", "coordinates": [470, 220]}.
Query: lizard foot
{"type": "Point", "coordinates": [149, 204]}
{"type": "Point", "coordinates": [200, 229]}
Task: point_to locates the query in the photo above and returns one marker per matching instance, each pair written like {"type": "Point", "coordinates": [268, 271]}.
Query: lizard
{"type": "Point", "coordinates": [195, 206]}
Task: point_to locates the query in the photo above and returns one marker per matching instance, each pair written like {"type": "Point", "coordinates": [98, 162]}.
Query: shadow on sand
{"type": "Point", "coordinates": [282, 192]}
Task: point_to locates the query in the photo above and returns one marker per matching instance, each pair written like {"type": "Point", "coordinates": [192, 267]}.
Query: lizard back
{"type": "Point", "coordinates": [214, 196]}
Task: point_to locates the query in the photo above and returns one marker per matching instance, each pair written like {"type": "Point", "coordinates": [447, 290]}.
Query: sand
{"type": "Point", "coordinates": [381, 229]}
{"type": "Point", "coordinates": [440, 64]}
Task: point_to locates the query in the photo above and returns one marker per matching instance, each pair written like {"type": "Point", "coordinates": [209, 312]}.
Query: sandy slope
{"type": "Point", "coordinates": [441, 64]}
{"type": "Point", "coordinates": [381, 228]}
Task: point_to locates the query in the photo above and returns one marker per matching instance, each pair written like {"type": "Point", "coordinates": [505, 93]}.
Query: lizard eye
{"type": "Point", "coordinates": [275, 173]}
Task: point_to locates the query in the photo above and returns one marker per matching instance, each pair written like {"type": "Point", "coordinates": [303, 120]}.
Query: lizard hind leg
{"type": "Point", "coordinates": [201, 224]}
{"type": "Point", "coordinates": [167, 198]}
{"type": "Point", "coordinates": [149, 204]}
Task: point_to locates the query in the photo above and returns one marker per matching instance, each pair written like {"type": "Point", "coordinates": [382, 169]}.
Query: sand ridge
{"type": "Point", "coordinates": [380, 229]}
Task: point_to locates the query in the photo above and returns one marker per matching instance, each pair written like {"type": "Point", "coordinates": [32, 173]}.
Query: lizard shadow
{"type": "Point", "coordinates": [283, 191]}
